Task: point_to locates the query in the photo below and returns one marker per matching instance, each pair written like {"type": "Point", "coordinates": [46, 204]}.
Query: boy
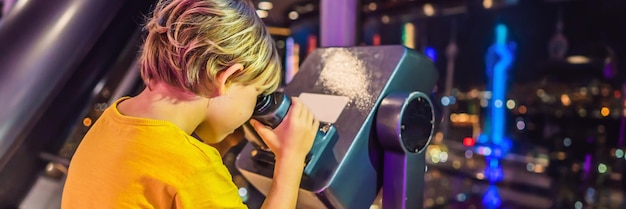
{"type": "Point", "coordinates": [204, 63]}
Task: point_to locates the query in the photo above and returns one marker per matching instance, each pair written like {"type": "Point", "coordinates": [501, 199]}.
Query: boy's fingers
{"type": "Point", "coordinates": [264, 131]}
{"type": "Point", "coordinates": [258, 126]}
{"type": "Point", "coordinates": [296, 105]}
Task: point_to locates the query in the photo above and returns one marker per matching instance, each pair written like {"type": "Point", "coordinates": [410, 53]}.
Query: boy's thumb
{"type": "Point", "coordinates": [259, 127]}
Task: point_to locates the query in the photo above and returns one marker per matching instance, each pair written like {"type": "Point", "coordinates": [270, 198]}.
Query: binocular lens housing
{"type": "Point", "coordinates": [271, 109]}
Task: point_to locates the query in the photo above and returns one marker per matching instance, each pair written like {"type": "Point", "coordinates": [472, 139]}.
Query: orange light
{"type": "Point", "coordinates": [522, 109]}
{"type": "Point", "coordinates": [454, 118]}
{"type": "Point", "coordinates": [605, 111]}
{"type": "Point", "coordinates": [463, 117]}
{"type": "Point", "coordinates": [565, 100]}
{"type": "Point", "coordinates": [87, 122]}
{"type": "Point", "coordinates": [469, 141]}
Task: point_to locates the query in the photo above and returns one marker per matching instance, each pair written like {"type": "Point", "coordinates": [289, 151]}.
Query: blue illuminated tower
{"type": "Point", "coordinates": [498, 60]}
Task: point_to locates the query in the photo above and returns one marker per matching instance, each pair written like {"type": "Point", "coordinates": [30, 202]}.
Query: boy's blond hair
{"type": "Point", "coordinates": [189, 41]}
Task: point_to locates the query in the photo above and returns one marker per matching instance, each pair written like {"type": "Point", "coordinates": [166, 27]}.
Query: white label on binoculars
{"type": "Point", "coordinates": [326, 108]}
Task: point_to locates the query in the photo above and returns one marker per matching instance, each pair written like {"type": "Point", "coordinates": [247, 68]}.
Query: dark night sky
{"type": "Point", "coordinates": [531, 25]}
{"type": "Point", "coordinates": [588, 25]}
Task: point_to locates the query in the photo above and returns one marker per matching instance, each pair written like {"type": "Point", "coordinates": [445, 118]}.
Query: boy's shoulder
{"type": "Point", "coordinates": [153, 138]}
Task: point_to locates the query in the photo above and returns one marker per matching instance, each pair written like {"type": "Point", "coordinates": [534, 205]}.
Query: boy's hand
{"type": "Point", "coordinates": [291, 141]}
{"type": "Point", "coordinates": [294, 136]}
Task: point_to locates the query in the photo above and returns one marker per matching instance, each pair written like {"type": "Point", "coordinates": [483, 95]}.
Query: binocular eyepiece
{"type": "Point", "coordinates": [271, 109]}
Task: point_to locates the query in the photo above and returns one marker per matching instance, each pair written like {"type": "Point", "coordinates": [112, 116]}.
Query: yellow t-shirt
{"type": "Point", "coordinates": [129, 162]}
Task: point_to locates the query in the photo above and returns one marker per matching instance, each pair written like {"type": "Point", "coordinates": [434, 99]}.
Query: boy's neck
{"type": "Point", "coordinates": [162, 102]}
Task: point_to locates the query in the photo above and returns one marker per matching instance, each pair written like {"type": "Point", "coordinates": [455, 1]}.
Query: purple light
{"type": "Point", "coordinates": [337, 25]}
{"type": "Point", "coordinates": [587, 166]}
{"type": "Point", "coordinates": [289, 62]}
{"type": "Point", "coordinates": [608, 71]}
{"type": "Point", "coordinates": [493, 171]}
{"type": "Point", "coordinates": [483, 150]}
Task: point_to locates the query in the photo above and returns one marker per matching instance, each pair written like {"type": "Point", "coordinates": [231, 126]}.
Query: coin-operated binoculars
{"type": "Point", "coordinates": [377, 119]}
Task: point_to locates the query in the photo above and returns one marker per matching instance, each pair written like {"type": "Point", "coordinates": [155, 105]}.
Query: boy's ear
{"type": "Point", "coordinates": [224, 75]}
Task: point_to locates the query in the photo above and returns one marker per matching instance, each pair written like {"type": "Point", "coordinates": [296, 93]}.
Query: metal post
{"type": "Point", "coordinates": [400, 117]}
{"type": "Point", "coordinates": [338, 22]}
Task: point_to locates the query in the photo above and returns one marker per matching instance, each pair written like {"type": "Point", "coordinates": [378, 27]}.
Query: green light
{"type": "Point", "coordinates": [408, 35]}
{"type": "Point", "coordinates": [619, 153]}
{"type": "Point", "coordinates": [602, 168]}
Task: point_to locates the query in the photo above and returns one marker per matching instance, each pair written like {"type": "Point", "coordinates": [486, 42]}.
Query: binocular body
{"type": "Point", "coordinates": [271, 110]}
{"type": "Point", "coordinates": [377, 118]}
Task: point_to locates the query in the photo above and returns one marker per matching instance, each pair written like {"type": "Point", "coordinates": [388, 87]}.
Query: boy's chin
{"type": "Point", "coordinates": [227, 142]}
{"type": "Point", "coordinates": [212, 138]}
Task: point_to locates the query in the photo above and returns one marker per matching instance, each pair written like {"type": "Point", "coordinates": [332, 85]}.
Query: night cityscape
{"type": "Point", "coordinates": [529, 103]}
